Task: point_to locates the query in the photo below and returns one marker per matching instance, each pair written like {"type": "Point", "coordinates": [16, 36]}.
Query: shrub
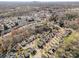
{"type": "Point", "coordinates": [70, 16]}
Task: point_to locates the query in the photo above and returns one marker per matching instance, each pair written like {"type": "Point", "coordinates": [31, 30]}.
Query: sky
{"type": "Point", "coordinates": [39, 0]}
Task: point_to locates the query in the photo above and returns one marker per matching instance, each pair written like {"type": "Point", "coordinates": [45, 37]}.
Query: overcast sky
{"type": "Point", "coordinates": [39, 0]}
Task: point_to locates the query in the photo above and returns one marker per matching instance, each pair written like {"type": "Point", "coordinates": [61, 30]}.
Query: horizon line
{"type": "Point", "coordinates": [39, 1]}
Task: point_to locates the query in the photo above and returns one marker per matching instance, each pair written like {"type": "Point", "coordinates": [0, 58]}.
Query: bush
{"type": "Point", "coordinates": [70, 16]}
